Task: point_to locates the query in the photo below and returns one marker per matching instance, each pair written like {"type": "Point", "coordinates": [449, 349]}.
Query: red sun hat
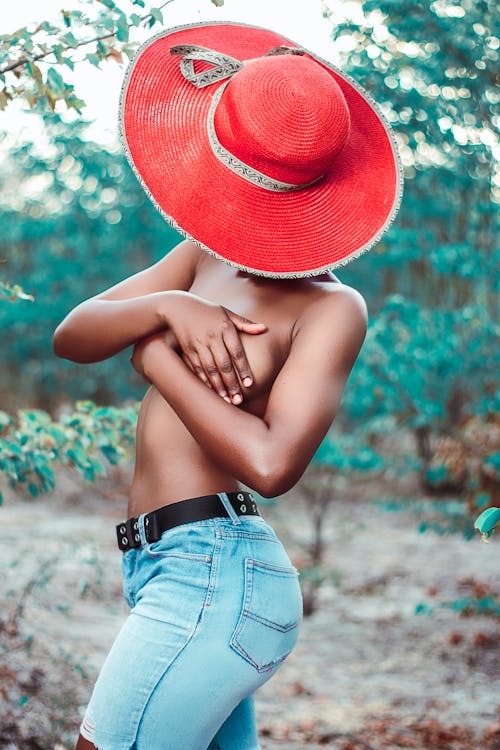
{"type": "Point", "coordinates": [262, 153]}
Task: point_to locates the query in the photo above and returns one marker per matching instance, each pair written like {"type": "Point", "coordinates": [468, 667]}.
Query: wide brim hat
{"type": "Point", "coordinates": [262, 153]}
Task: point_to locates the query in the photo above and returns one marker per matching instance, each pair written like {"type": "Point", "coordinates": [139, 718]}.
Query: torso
{"type": "Point", "coordinates": [170, 465]}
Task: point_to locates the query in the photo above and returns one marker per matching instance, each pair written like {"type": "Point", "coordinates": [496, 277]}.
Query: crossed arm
{"type": "Point", "coordinates": [156, 300]}
{"type": "Point", "coordinates": [270, 453]}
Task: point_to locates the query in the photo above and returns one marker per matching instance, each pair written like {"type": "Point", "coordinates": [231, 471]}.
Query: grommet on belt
{"type": "Point", "coordinates": [128, 534]}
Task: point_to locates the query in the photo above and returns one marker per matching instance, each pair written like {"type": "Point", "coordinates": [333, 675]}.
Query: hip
{"type": "Point", "coordinates": [235, 579]}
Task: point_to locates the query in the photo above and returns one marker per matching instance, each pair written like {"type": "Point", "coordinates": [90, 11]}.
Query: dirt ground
{"type": "Point", "coordinates": [367, 673]}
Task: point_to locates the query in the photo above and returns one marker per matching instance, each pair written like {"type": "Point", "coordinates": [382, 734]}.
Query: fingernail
{"type": "Point", "coordinates": [237, 399]}
{"type": "Point", "coordinates": [226, 398]}
{"type": "Point", "coordinates": [247, 382]}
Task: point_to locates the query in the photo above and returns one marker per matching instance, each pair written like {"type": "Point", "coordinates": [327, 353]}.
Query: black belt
{"type": "Point", "coordinates": [184, 511]}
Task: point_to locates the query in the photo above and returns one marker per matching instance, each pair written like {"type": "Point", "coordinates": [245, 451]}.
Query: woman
{"type": "Point", "coordinates": [276, 167]}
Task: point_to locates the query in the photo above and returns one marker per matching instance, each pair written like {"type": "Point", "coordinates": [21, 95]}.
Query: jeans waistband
{"type": "Point", "coordinates": [148, 527]}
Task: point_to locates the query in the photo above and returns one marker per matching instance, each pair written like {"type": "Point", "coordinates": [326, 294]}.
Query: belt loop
{"type": "Point", "coordinates": [142, 530]}
{"type": "Point", "coordinates": [227, 505]}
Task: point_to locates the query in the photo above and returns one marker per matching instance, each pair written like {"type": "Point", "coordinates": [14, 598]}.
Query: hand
{"type": "Point", "coordinates": [208, 338]}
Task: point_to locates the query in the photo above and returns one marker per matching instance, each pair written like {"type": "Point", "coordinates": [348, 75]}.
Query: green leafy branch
{"type": "Point", "coordinates": [32, 445]}
{"type": "Point", "coordinates": [21, 52]}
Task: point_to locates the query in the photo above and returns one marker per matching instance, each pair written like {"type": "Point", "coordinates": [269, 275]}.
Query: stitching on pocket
{"type": "Point", "coordinates": [229, 534]}
{"type": "Point", "coordinates": [272, 624]}
{"type": "Point", "coordinates": [285, 570]}
{"type": "Point", "coordinates": [255, 631]}
{"type": "Point", "coordinates": [179, 555]}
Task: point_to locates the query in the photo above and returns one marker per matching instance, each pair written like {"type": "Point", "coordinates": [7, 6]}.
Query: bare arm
{"type": "Point", "coordinates": [156, 300]}
{"type": "Point", "coordinates": [109, 322]}
{"type": "Point", "coordinates": [271, 453]}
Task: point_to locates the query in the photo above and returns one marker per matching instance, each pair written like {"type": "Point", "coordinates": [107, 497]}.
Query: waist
{"type": "Point", "coordinates": [149, 492]}
{"type": "Point", "coordinates": [148, 527]}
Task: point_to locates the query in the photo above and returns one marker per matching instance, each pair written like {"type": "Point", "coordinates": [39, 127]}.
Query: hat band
{"type": "Point", "coordinates": [239, 167]}
{"type": "Point", "coordinates": [223, 65]}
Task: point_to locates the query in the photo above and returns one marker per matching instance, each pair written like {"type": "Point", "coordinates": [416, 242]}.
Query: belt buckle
{"type": "Point", "coordinates": [128, 534]}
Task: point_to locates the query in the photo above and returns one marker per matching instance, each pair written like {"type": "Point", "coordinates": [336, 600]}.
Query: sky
{"type": "Point", "coordinates": [299, 20]}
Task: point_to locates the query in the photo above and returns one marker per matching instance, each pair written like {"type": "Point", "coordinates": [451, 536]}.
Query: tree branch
{"type": "Point", "coordinates": [25, 60]}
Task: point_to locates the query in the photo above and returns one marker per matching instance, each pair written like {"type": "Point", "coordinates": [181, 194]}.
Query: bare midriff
{"type": "Point", "coordinates": [170, 465]}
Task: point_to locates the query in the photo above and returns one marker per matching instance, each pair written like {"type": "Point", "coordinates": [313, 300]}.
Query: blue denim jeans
{"type": "Point", "coordinates": [216, 608]}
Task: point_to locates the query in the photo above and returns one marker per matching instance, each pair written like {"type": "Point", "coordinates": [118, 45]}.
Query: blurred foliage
{"type": "Point", "coordinates": [429, 362]}
{"type": "Point", "coordinates": [469, 605]}
{"type": "Point", "coordinates": [475, 598]}
{"type": "Point", "coordinates": [85, 224]}
{"type": "Point", "coordinates": [31, 445]}
{"type": "Point", "coordinates": [33, 59]}
{"type": "Point", "coordinates": [470, 461]}
{"type": "Point", "coordinates": [427, 366]}
{"type": "Point", "coordinates": [344, 453]}
{"type": "Point", "coordinates": [443, 516]}
{"type": "Point", "coordinates": [341, 454]}
{"type": "Point", "coordinates": [431, 67]}
{"type": "Point", "coordinates": [13, 292]}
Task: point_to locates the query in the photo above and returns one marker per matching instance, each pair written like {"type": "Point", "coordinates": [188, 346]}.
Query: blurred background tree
{"type": "Point", "coordinates": [430, 360]}
{"type": "Point", "coordinates": [86, 224]}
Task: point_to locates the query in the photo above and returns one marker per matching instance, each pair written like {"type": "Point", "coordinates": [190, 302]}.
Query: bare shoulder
{"type": "Point", "coordinates": [337, 306]}
{"type": "Point", "coordinates": [329, 334]}
{"type": "Point", "coordinates": [177, 268]}
{"type": "Point", "coordinates": [186, 253]}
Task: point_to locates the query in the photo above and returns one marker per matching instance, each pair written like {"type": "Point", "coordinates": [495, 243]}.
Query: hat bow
{"type": "Point", "coordinates": [223, 65]}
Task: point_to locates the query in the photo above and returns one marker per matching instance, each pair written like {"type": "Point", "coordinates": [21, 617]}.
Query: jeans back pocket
{"type": "Point", "coordinates": [269, 621]}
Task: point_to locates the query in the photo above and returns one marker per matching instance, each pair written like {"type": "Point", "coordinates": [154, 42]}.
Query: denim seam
{"type": "Point", "coordinates": [159, 555]}
{"type": "Point", "coordinates": [137, 717]}
{"type": "Point", "coordinates": [214, 569]}
{"type": "Point", "coordinates": [230, 534]}
{"type": "Point", "coordinates": [286, 571]}
{"type": "Point", "coordinates": [262, 667]}
{"type": "Point", "coordinates": [129, 580]}
{"type": "Point", "coordinates": [271, 623]}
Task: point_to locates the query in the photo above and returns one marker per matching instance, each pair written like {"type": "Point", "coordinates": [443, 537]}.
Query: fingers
{"type": "Point", "coordinates": [187, 362]}
{"type": "Point", "coordinates": [217, 356]}
{"type": "Point", "coordinates": [221, 376]}
{"type": "Point", "coordinates": [193, 362]}
{"type": "Point", "coordinates": [225, 363]}
{"type": "Point", "coordinates": [212, 372]}
{"type": "Point", "coordinates": [238, 357]}
{"type": "Point", "coordinates": [235, 347]}
{"type": "Point", "coordinates": [244, 324]}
